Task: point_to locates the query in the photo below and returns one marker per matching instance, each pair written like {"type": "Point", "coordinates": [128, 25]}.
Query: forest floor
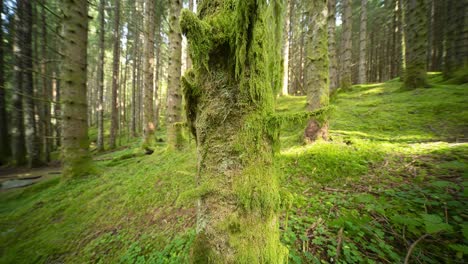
{"type": "Point", "coordinates": [390, 184]}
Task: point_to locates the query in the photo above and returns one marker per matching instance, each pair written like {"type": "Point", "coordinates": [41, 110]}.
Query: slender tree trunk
{"type": "Point", "coordinates": [345, 76]}
{"type": "Point", "coordinates": [47, 90]}
{"type": "Point", "coordinates": [229, 99]}
{"type": "Point", "coordinates": [316, 68]}
{"type": "Point", "coordinates": [115, 77]}
{"type": "Point", "coordinates": [100, 77]}
{"type": "Point", "coordinates": [75, 143]}
{"type": "Point", "coordinates": [416, 41]}
{"type": "Point", "coordinates": [157, 102]}
{"type": "Point", "coordinates": [5, 150]}
{"type": "Point", "coordinates": [32, 141]}
{"type": "Point", "coordinates": [174, 98]}
{"type": "Point", "coordinates": [134, 80]}
{"type": "Point", "coordinates": [333, 71]}
{"type": "Point", "coordinates": [148, 81]}
{"type": "Point", "coordinates": [285, 51]}
{"type": "Point", "coordinates": [292, 47]}
{"type": "Point", "coordinates": [19, 144]}
{"type": "Point", "coordinates": [362, 43]}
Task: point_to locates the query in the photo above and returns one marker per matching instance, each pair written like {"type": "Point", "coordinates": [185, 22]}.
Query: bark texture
{"type": "Point", "coordinates": [316, 68]}
{"type": "Point", "coordinates": [230, 98]}
{"type": "Point", "coordinates": [362, 75]}
{"type": "Point", "coordinates": [415, 12]}
{"type": "Point", "coordinates": [115, 77]}
{"type": "Point", "coordinates": [4, 138]}
{"type": "Point", "coordinates": [75, 140]}
{"type": "Point", "coordinates": [345, 76]}
{"type": "Point", "coordinates": [100, 78]}
{"type": "Point", "coordinates": [333, 67]}
{"type": "Point", "coordinates": [148, 81]}
{"type": "Point", "coordinates": [174, 96]}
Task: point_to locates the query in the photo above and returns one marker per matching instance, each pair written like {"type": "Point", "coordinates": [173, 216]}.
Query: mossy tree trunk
{"type": "Point", "coordinates": [148, 81]}
{"type": "Point", "coordinates": [362, 75]}
{"type": "Point", "coordinates": [415, 16]}
{"type": "Point", "coordinates": [100, 77]}
{"type": "Point", "coordinates": [115, 77]}
{"type": "Point", "coordinates": [4, 138]}
{"type": "Point", "coordinates": [75, 141]}
{"type": "Point", "coordinates": [316, 68]}
{"type": "Point", "coordinates": [230, 94]}
{"type": "Point", "coordinates": [345, 76]}
{"type": "Point", "coordinates": [333, 71]}
{"type": "Point", "coordinates": [174, 96]}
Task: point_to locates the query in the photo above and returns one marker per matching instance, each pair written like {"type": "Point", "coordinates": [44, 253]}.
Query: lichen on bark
{"type": "Point", "coordinates": [235, 47]}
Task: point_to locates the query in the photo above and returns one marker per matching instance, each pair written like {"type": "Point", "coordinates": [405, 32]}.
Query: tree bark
{"type": "Point", "coordinates": [148, 82]}
{"type": "Point", "coordinates": [333, 71]}
{"type": "Point", "coordinates": [100, 77]}
{"type": "Point", "coordinates": [32, 140]}
{"type": "Point", "coordinates": [416, 41]}
{"type": "Point", "coordinates": [345, 76]}
{"type": "Point", "coordinates": [316, 69]}
{"type": "Point", "coordinates": [75, 143]}
{"type": "Point", "coordinates": [174, 98]}
{"type": "Point", "coordinates": [5, 150]}
{"type": "Point", "coordinates": [115, 77]}
{"type": "Point", "coordinates": [362, 43]}
{"type": "Point", "coordinates": [19, 144]}
{"type": "Point", "coordinates": [285, 50]}
{"type": "Point", "coordinates": [229, 99]}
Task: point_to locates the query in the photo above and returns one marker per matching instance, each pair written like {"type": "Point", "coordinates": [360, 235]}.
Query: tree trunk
{"type": "Point", "coordinates": [5, 150]}
{"type": "Point", "coordinates": [316, 69]}
{"type": "Point", "coordinates": [157, 101]}
{"type": "Point", "coordinates": [416, 41]}
{"type": "Point", "coordinates": [174, 98]}
{"type": "Point", "coordinates": [19, 144]}
{"type": "Point", "coordinates": [75, 143]}
{"type": "Point", "coordinates": [32, 141]}
{"type": "Point", "coordinates": [46, 89]}
{"type": "Point", "coordinates": [333, 71]}
{"type": "Point", "coordinates": [362, 43]}
{"type": "Point", "coordinates": [285, 50]}
{"type": "Point", "coordinates": [115, 77]}
{"type": "Point", "coordinates": [345, 76]}
{"type": "Point", "coordinates": [148, 81]}
{"type": "Point", "coordinates": [229, 99]}
{"type": "Point", "coordinates": [100, 77]}
{"type": "Point", "coordinates": [292, 48]}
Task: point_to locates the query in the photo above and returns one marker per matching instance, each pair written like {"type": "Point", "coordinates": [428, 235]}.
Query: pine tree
{"type": "Point", "coordinates": [115, 77]}
{"type": "Point", "coordinates": [333, 68]}
{"type": "Point", "coordinates": [316, 68]}
{"type": "Point", "coordinates": [4, 138]}
{"type": "Point", "coordinates": [100, 77]}
{"type": "Point", "coordinates": [362, 75]}
{"type": "Point", "coordinates": [345, 74]}
{"type": "Point", "coordinates": [415, 43]}
{"type": "Point", "coordinates": [174, 97]}
{"type": "Point", "coordinates": [75, 141]}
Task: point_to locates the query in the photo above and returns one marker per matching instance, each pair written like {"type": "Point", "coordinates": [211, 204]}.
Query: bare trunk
{"type": "Point", "coordinates": [115, 78]}
{"type": "Point", "coordinates": [345, 76]}
{"type": "Point", "coordinates": [100, 77]}
{"type": "Point", "coordinates": [333, 71]}
{"type": "Point", "coordinates": [174, 97]}
{"type": "Point", "coordinates": [75, 143]}
{"type": "Point", "coordinates": [148, 82]}
{"type": "Point", "coordinates": [362, 43]}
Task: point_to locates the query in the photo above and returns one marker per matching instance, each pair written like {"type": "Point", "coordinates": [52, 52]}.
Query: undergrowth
{"type": "Point", "coordinates": [393, 175]}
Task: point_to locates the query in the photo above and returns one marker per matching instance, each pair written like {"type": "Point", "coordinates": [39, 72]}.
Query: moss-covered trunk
{"type": "Point", "coordinates": [236, 52]}
{"type": "Point", "coordinates": [174, 95]}
{"type": "Point", "coordinates": [316, 68]}
{"type": "Point", "coordinates": [74, 125]}
{"type": "Point", "coordinates": [415, 16]}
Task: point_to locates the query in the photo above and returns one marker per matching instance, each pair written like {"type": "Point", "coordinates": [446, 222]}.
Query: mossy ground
{"type": "Point", "coordinates": [394, 170]}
